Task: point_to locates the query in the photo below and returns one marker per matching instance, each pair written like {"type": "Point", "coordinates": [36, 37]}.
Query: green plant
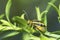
{"type": "Point", "coordinates": [9, 30]}
{"type": "Point", "coordinates": [57, 9]}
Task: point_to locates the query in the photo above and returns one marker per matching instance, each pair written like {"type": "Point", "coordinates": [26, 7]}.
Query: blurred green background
{"type": "Point", "coordinates": [29, 7]}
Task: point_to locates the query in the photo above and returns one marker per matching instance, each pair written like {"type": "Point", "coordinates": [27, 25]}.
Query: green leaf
{"type": "Point", "coordinates": [44, 13]}
{"type": "Point", "coordinates": [59, 9]}
{"type": "Point", "coordinates": [4, 28]}
{"type": "Point", "coordinates": [44, 18]}
{"type": "Point", "coordinates": [20, 21]}
{"type": "Point", "coordinates": [54, 7]}
{"type": "Point", "coordinates": [59, 14]}
{"type": "Point", "coordinates": [4, 22]}
{"type": "Point", "coordinates": [46, 38]}
{"type": "Point", "coordinates": [52, 35]}
{"type": "Point", "coordinates": [28, 36]}
{"type": "Point", "coordinates": [42, 37]}
{"type": "Point", "coordinates": [9, 33]}
{"type": "Point", "coordinates": [1, 16]}
{"type": "Point", "coordinates": [22, 16]}
{"type": "Point", "coordinates": [56, 32]}
{"type": "Point", "coordinates": [48, 6]}
{"type": "Point", "coordinates": [38, 13]}
{"type": "Point", "coordinates": [7, 9]}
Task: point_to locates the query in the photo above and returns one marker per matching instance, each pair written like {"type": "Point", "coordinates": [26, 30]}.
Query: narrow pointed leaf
{"type": "Point", "coordinates": [9, 33]}
{"type": "Point", "coordinates": [38, 13]}
{"type": "Point", "coordinates": [7, 9]}
{"type": "Point", "coordinates": [22, 16]}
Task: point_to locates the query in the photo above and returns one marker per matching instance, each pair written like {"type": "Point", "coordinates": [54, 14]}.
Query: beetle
{"type": "Point", "coordinates": [37, 25]}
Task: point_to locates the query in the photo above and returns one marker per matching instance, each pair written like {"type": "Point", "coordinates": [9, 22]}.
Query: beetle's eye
{"type": "Point", "coordinates": [39, 24]}
{"type": "Point", "coordinates": [42, 25]}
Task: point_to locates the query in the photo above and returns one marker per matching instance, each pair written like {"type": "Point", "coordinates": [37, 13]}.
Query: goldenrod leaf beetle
{"type": "Point", "coordinates": [38, 25]}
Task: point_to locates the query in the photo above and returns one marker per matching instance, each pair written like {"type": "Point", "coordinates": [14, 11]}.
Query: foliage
{"type": "Point", "coordinates": [20, 28]}
{"type": "Point", "coordinates": [57, 9]}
